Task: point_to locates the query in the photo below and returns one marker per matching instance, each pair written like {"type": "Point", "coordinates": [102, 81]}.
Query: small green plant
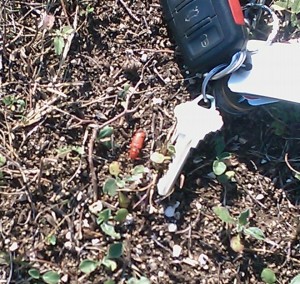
{"type": "Point", "coordinates": [113, 184]}
{"type": "Point", "coordinates": [49, 277]}
{"type": "Point", "coordinates": [268, 276]}
{"type": "Point", "coordinates": [115, 251]}
{"type": "Point", "coordinates": [105, 137]}
{"type": "Point", "coordinates": [292, 6]}
{"type": "Point", "coordinates": [60, 37]}
{"type": "Point", "coordinates": [241, 226]}
{"type": "Point", "coordinates": [88, 10]}
{"type": "Point", "coordinates": [220, 165]}
{"type": "Point", "coordinates": [14, 104]}
{"type": "Point", "coordinates": [159, 158]}
{"type": "Point", "coordinates": [63, 152]}
{"type": "Point", "coordinates": [107, 222]}
{"type": "Point", "coordinates": [2, 160]}
{"type": "Point", "coordinates": [122, 94]}
{"type": "Point", "coordinates": [51, 240]}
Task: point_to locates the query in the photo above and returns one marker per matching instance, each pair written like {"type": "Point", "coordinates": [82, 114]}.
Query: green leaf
{"type": "Point", "coordinates": [171, 149]}
{"type": "Point", "coordinates": [59, 44]}
{"type": "Point", "coordinates": [114, 169]}
{"type": "Point", "coordinates": [255, 232]}
{"type": "Point", "coordinates": [122, 93]}
{"type": "Point", "coordinates": [124, 201]}
{"type": "Point", "coordinates": [115, 250]}
{"type": "Point", "coordinates": [109, 230]}
{"type": "Point", "coordinates": [51, 277]}
{"type": "Point", "coordinates": [296, 279]}
{"type": "Point", "coordinates": [109, 264]}
{"type": "Point", "coordinates": [34, 273]}
{"type": "Point", "coordinates": [108, 143]}
{"type": "Point", "coordinates": [8, 100]}
{"type": "Point", "coordinates": [137, 170]}
{"type": "Point", "coordinates": [157, 158]}
{"type": "Point", "coordinates": [243, 218]}
{"type": "Point", "coordinates": [78, 149]}
{"type": "Point", "coordinates": [297, 176]}
{"type": "Point", "coordinates": [4, 258]}
{"type": "Point", "coordinates": [120, 182]}
{"type": "Point", "coordinates": [268, 276]}
{"type": "Point", "coordinates": [106, 131]}
{"type": "Point", "coordinates": [295, 7]}
{"type": "Point", "coordinates": [51, 240]}
{"type": "Point", "coordinates": [219, 167]}
{"type": "Point", "coordinates": [87, 266]}
{"type": "Point", "coordinates": [224, 214]}
{"type": "Point", "coordinates": [89, 10]}
{"type": "Point", "coordinates": [280, 5]}
{"type": "Point", "coordinates": [110, 187]}
{"type": "Point", "coordinates": [294, 20]}
{"type": "Point", "coordinates": [2, 160]}
{"type": "Point", "coordinates": [103, 216]}
{"type": "Point", "coordinates": [142, 280]}
{"type": "Point", "coordinates": [224, 156]}
{"type": "Point", "coordinates": [66, 30]}
{"type": "Point", "coordinates": [121, 215]}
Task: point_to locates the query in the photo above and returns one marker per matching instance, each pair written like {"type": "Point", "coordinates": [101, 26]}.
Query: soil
{"type": "Point", "coordinates": [120, 68]}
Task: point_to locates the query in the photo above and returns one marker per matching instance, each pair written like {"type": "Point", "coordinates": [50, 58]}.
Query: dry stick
{"type": "Point", "coordinates": [129, 11]}
{"type": "Point", "coordinates": [11, 265]}
{"type": "Point", "coordinates": [92, 167]}
{"type": "Point", "coordinates": [65, 11]}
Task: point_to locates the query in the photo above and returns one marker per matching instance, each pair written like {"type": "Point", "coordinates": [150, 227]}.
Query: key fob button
{"type": "Point", "coordinates": [208, 32]}
{"type": "Point", "coordinates": [192, 14]}
{"type": "Point", "coordinates": [204, 40]}
{"type": "Point", "coordinates": [174, 6]}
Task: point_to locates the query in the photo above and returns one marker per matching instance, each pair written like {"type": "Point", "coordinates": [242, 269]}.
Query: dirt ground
{"type": "Point", "coordinates": [120, 69]}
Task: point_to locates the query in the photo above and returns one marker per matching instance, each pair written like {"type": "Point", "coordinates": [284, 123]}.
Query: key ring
{"type": "Point", "coordinates": [238, 58]}
{"type": "Point", "coordinates": [222, 70]}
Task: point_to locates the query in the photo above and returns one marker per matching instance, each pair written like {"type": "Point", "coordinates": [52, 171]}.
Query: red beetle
{"type": "Point", "coordinates": [137, 144]}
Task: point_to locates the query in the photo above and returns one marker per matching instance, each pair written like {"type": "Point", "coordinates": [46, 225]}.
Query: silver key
{"type": "Point", "coordinates": [194, 122]}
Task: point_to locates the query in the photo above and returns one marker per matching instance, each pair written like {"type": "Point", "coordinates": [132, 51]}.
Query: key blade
{"type": "Point", "coordinates": [194, 122]}
{"type": "Point", "coordinates": [182, 148]}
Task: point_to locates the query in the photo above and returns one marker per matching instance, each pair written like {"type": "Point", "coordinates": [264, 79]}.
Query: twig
{"type": "Point", "coordinates": [129, 11]}
{"type": "Point", "coordinates": [11, 264]}
{"type": "Point", "coordinates": [91, 163]}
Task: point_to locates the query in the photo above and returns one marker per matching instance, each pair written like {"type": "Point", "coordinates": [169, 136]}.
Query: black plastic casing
{"type": "Point", "coordinates": [205, 31]}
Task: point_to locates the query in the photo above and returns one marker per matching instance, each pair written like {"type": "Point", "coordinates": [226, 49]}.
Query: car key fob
{"type": "Point", "coordinates": [208, 32]}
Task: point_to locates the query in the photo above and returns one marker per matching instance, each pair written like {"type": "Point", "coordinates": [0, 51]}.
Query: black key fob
{"type": "Point", "coordinates": [208, 32]}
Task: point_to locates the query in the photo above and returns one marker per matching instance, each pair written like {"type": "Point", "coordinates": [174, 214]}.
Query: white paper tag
{"type": "Point", "coordinates": [274, 74]}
